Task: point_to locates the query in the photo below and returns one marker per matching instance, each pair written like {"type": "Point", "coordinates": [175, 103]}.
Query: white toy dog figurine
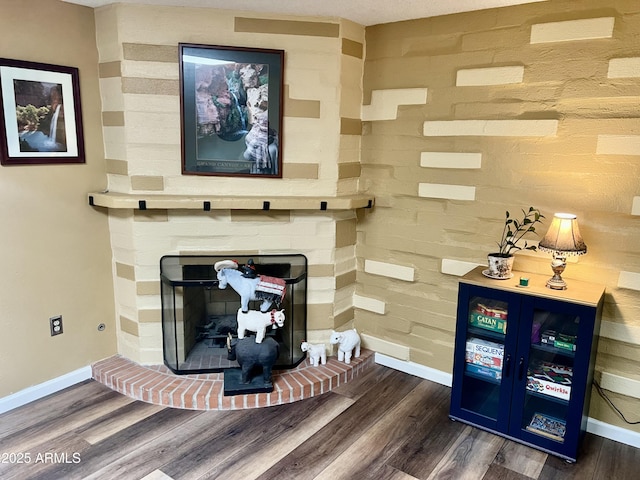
{"type": "Point", "coordinates": [347, 341]}
{"type": "Point", "coordinates": [255, 321]}
{"type": "Point", "coordinates": [317, 352]}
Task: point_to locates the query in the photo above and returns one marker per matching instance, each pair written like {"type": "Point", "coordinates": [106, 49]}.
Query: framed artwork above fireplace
{"type": "Point", "coordinates": [231, 110]}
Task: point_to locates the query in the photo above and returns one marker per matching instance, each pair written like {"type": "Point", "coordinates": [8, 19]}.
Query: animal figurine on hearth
{"type": "Point", "coordinates": [255, 321]}
{"type": "Point", "coordinates": [249, 269]}
{"type": "Point", "coordinates": [317, 352]}
{"type": "Point", "coordinates": [262, 287]}
{"type": "Point", "coordinates": [348, 343]}
{"type": "Point", "coordinates": [251, 355]}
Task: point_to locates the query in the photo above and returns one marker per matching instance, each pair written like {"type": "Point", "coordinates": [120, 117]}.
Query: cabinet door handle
{"type": "Point", "coordinates": [520, 368]}
{"type": "Point", "coordinates": [507, 366]}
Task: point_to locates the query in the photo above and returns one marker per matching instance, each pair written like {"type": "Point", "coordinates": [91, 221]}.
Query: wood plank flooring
{"type": "Point", "coordinates": [385, 425]}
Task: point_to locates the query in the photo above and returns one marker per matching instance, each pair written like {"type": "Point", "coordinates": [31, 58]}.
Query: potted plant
{"type": "Point", "coordinates": [501, 262]}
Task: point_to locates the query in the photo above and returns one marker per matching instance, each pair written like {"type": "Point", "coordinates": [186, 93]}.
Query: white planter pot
{"type": "Point", "coordinates": [500, 267]}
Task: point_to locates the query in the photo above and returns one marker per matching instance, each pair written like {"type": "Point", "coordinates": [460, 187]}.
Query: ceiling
{"type": "Point", "coordinates": [364, 12]}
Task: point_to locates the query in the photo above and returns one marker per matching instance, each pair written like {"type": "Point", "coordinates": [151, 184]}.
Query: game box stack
{"type": "Point", "coordinates": [484, 358]}
{"type": "Point", "coordinates": [558, 340]}
{"type": "Point", "coordinates": [550, 379]}
{"type": "Point", "coordinates": [489, 317]}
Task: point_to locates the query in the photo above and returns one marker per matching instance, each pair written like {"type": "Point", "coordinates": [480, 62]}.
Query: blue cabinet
{"type": "Point", "coordinates": [524, 358]}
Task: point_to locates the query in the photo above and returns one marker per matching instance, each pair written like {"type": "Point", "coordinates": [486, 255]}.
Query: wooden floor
{"type": "Point", "coordinates": [383, 425]}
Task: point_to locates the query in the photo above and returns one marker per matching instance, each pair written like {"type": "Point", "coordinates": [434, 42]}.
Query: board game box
{"type": "Point", "coordinates": [485, 353]}
{"type": "Point", "coordinates": [550, 379]}
{"type": "Point", "coordinates": [548, 388]}
{"type": "Point", "coordinates": [558, 340]}
{"type": "Point", "coordinates": [554, 428]}
{"type": "Point", "coordinates": [491, 373]}
{"type": "Point", "coordinates": [495, 324]}
{"type": "Point", "coordinates": [490, 317]}
{"type": "Point", "coordinates": [556, 368]}
{"type": "Point", "coordinates": [566, 342]}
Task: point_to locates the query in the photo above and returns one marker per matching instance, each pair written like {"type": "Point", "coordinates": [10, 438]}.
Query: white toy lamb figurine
{"type": "Point", "coordinates": [347, 341]}
{"type": "Point", "coordinates": [317, 352]}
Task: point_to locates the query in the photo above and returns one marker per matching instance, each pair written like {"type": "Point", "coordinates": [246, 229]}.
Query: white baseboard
{"type": "Point", "coordinates": [612, 432]}
{"type": "Point", "coordinates": [415, 369]}
{"type": "Point", "coordinates": [594, 426]}
{"type": "Point", "coordinates": [41, 390]}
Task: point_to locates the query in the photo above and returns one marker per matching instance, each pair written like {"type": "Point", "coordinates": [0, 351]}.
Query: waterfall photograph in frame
{"type": "Point", "coordinates": [40, 114]}
{"type": "Point", "coordinates": [231, 110]}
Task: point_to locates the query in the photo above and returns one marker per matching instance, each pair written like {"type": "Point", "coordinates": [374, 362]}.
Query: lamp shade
{"type": "Point", "coordinates": [563, 236]}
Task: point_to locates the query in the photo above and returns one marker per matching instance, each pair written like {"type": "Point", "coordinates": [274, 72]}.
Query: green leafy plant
{"type": "Point", "coordinates": [29, 116]}
{"type": "Point", "coordinates": [514, 230]}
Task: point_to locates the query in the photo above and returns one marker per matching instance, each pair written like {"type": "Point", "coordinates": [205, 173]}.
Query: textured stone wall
{"type": "Point", "coordinates": [468, 115]}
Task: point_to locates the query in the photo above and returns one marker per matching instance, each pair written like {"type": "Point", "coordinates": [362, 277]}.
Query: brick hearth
{"type": "Point", "coordinates": [158, 385]}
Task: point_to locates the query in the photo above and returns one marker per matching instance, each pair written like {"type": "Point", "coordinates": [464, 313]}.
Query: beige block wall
{"type": "Point", "coordinates": [55, 255]}
{"type": "Point", "coordinates": [577, 153]}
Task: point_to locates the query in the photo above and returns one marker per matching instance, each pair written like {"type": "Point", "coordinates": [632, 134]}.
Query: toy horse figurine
{"type": "Point", "coordinates": [267, 289]}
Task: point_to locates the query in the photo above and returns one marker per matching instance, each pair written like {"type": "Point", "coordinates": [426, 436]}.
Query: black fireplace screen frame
{"type": "Point", "coordinates": [197, 315]}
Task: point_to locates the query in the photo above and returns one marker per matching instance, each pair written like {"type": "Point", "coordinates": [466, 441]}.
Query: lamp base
{"type": "Point", "coordinates": [558, 265]}
{"type": "Point", "coordinates": [556, 283]}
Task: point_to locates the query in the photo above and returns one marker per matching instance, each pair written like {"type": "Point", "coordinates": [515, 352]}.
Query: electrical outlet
{"type": "Point", "coordinates": [56, 325]}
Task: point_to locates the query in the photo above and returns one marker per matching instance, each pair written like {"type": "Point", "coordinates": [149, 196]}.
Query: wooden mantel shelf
{"type": "Point", "coordinates": [227, 202]}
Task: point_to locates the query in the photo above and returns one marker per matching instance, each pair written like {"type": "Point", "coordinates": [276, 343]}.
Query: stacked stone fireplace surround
{"type": "Point", "coordinates": [155, 210]}
{"type": "Point", "coordinates": [327, 239]}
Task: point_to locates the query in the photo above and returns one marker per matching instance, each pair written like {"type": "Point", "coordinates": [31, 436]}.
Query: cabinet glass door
{"type": "Point", "coordinates": [485, 358]}
{"type": "Point", "coordinates": [549, 373]}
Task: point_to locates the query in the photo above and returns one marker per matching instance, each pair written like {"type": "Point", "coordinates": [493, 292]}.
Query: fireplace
{"type": "Point", "coordinates": [198, 316]}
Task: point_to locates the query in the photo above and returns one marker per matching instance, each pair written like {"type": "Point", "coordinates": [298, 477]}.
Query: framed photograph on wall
{"type": "Point", "coordinates": [40, 114]}
{"type": "Point", "coordinates": [231, 110]}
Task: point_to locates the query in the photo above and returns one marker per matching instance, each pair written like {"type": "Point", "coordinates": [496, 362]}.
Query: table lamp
{"type": "Point", "coordinates": [562, 239]}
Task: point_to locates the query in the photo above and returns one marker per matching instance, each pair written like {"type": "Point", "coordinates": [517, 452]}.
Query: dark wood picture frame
{"type": "Point", "coordinates": [40, 114]}
{"type": "Point", "coordinates": [231, 104]}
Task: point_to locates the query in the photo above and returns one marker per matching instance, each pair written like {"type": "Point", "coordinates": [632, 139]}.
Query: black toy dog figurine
{"type": "Point", "coordinates": [250, 355]}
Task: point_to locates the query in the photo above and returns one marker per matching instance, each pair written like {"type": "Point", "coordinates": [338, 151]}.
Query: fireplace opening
{"type": "Point", "coordinates": [198, 316]}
